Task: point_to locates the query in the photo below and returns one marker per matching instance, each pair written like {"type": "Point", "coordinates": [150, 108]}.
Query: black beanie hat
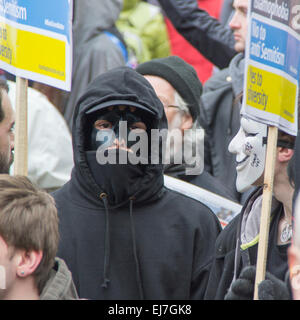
{"type": "Point", "coordinates": [181, 75]}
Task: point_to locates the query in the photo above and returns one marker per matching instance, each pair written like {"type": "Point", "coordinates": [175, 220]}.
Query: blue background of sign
{"type": "Point", "coordinates": [38, 11]}
{"type": "Point", "coordinates": [285, 42]}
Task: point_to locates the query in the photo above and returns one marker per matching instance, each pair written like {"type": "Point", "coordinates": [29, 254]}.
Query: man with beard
{"type": "Point", "coordinates": [178, 87]}
{"type": "Point", "coordinates": [225, 48]}
{"type": "Point", "coordinates": [125, 236]}
{"type": "Point", "coordinates": [7, 121]}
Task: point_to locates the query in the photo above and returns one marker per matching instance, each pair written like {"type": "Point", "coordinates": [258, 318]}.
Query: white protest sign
{"type": "Point", "coordinates": [223, 208]}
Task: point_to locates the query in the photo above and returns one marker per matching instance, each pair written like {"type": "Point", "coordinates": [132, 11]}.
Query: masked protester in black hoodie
{"type": "Point", "coordinates": [123, 234]}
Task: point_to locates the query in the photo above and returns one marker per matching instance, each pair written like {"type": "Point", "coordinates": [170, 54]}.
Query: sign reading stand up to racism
{"type": "Point", "coordinates": [272, 65]}
{"type": "Point", "coordinates": [36, 40]}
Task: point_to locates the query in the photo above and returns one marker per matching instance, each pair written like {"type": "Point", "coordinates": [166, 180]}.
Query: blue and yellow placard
{"type": "Point", "coordinates": [272, 65]}
{"type": "Point", "coordinates": [36, 40]}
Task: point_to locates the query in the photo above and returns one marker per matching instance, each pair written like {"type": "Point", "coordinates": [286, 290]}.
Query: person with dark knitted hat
{"type": "Point", "coordinates": [181, 75]}
{"type": "Point", "coordinates": [177, 85]}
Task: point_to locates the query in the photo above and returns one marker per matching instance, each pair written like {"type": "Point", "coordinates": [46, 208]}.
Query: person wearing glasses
{"type": "Point", "coordinates": [178, 87]}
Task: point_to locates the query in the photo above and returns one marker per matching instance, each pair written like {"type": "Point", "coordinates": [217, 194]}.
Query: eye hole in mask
{"type": "Point", "coordinates": [111, 121]}
{"type": "Point", "coordinates": [115, 123]}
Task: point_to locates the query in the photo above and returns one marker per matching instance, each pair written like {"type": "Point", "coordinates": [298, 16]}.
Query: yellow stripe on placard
{"type": "Point", "coordinates": [271, 93]}
{"type": "Point", "coordinates": [33, 52]}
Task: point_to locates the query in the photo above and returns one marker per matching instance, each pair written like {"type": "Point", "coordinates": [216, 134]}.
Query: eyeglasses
{"type": "Point", "coordinates": [172, 107]}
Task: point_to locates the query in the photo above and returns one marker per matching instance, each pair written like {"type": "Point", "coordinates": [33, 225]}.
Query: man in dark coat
{"type": "Point", "coordinates": [123, 234]}
{"type": "Point", "coordinates": [236, 246]}
{"type": "Point", "coordinates": [224, 47]}
{"type": "Point", "coordinates": [177, 85]}
{"type": "Point", "coordinates": [281, 279]}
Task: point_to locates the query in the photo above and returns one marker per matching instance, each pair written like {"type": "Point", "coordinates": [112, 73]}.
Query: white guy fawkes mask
{"type": "Point", "coordinates": [250, 149]}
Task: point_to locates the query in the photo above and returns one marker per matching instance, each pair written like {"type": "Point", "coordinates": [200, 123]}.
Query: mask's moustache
{"type": "Point", "coordinates": [120, 155]}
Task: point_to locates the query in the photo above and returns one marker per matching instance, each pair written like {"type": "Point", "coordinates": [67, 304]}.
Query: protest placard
{"type": "Point", "coordinates": [271, 87]}
{"type": "Point", "coordinates": [35, 44]}
{"type": "Point", "coordinates": [36, 40]}
{"type": "Point", "coordinates": [273, 63]}
{"type": "Point", "coordinates": [223, 208]}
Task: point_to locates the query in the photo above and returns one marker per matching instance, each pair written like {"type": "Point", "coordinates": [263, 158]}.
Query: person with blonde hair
{"type": "Point", "coordinates": [28, 243]}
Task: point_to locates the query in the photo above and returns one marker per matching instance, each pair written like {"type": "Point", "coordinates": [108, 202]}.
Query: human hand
{"type": "Point", "coordinates": [271, 288]}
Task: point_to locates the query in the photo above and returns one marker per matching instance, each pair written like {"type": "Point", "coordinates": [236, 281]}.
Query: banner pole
{"type": "Point", "coordinates": [266, 208]}
{"type": "Point", "coordinates": [21, 139]}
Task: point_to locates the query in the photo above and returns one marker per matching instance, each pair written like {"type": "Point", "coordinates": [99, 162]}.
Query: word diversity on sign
{"type": "Point", "coordinates": [273, 63]}
{"type": "Point", "coordinates": [36, 40]}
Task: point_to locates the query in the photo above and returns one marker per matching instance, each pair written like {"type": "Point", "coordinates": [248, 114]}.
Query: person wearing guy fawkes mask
{"type": "Point", "coordinates": [123, 234]}
{"type": "Point", "coordinates": [232, 276]}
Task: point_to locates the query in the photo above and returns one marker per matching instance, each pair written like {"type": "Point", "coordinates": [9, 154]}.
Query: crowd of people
{"type": "Point", "coordinates": [94, 218]}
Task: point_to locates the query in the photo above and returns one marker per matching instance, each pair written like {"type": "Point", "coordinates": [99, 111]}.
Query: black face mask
{"type": "Point", "coordinates": [116, 124]}
{"type": "Point", "coordinates": [119, 181]}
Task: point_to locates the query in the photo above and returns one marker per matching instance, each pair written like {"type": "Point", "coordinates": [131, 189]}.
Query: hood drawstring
{"type": "Point", "coordinates": [137, 265]}
{"type": "Point", "coordinates": [106, 281]}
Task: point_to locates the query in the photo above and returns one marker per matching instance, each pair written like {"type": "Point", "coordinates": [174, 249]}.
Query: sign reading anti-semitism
{"type": "Point", "coordinates": [273, 63]}
{"type": "Point", "coordinates": [36, 40]}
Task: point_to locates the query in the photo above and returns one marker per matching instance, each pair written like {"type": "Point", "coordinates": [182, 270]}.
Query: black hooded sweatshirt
{"type": "Point", "coordinates": [126, 236]}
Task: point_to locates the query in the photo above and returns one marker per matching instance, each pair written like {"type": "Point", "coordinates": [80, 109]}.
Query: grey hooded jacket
{"type": "Point", "coordinates": [60, 285]}
{"type": "Point", "coordinates": [221, 120]}
{"type": "Point", "coordinates": [93, 51]}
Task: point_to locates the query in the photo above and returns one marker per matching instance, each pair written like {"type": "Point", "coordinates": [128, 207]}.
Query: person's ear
{"type": "Point", "coordinates": [187, 122]}
{"type": "Point", "coordinates": [28, 261]}
{"type": "Point", "coordinates": [284, 154]}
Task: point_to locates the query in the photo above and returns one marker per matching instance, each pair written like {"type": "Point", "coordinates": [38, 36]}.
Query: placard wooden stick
{"type": "Point", "coordinates": [266, 208]}
{"type": "Point", "coordinates": [21, 139]}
